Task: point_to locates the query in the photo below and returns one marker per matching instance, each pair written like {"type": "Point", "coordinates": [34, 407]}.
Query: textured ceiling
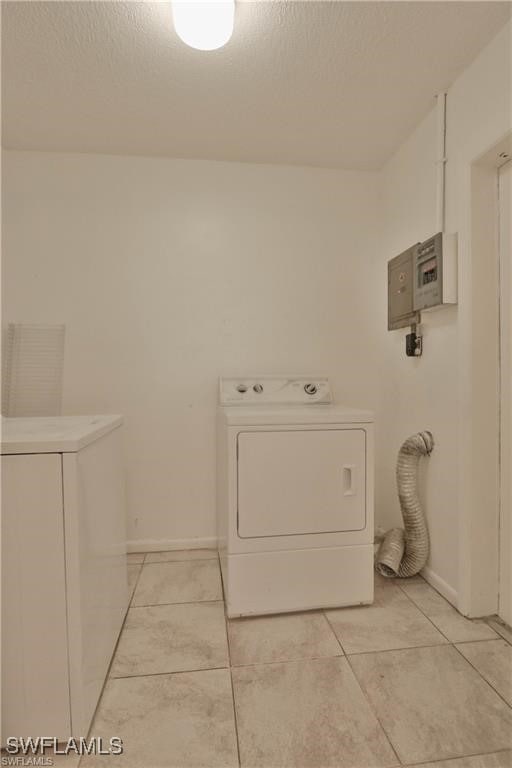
{"type": "Point", "coordinates": [336, 84]}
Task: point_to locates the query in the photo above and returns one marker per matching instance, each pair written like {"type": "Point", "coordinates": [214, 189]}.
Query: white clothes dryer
{"type": "Point", "coordinates": [294, 496]}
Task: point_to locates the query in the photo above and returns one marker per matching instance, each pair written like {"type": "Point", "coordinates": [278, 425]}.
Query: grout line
{"type": "Point", "coordinates": [231, 678]}
{"type": "Point", "coordinates": [166, 562]}
{"type": "Point", "coordinates": [421, 610]}
{"type": "Point", "coordinates": [183, 602]}
{"type": "Point", "coordinates": [487, 682]}
{"type": "Point", "coordinates": [139, 562]}
{"type": "Point", "coordinates": [480, 640]}
{"type": "Point", "coordinates": [334, 633]}
{"type": "Point", "coordinates": [130, 603]}
{"type": "Point", "coordinates": [432, 619]}
{"type": "Point", "coordinates": [114, 653]}
{"type": "Point", "coordinates": [298, 612]}
{"type": "Point", "coordinates": [402, 648]}
{"type": "Point", "coordinates": [300, 660]}
{"type": "Point", "coordinates": [429, 618]}
{"type": "Point", "coordinates": [222, 588]}
{"type": "Point", "coordinates": [385, 650]}
{"type": "Point", "coordinates": [170, 672]}
{"type": "Point", "coordinates": [167, 605]}
{"type": "Point", "coordinates": [373, 711]}
{"type": "Point", "coordinates": [235, 721]}
{"type": "Point", "coordinates": [461, 757]}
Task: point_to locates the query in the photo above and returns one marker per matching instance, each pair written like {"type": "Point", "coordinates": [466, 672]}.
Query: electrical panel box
{"type": "Point", "coordinates": [401, 272]}
{"type": "Point", "coordinates": [422, 277]}
{"type": "Point", "coordinates": [435, 272]}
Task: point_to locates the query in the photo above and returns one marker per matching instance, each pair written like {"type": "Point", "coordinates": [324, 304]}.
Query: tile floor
{"type": "Point", "coordinates": [406, 681]}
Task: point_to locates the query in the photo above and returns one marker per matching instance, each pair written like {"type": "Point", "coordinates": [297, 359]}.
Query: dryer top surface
{"type": "Point", "coordinates": [273, 415]}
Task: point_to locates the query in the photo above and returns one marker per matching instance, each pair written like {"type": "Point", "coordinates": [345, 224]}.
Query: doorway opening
{"type": "Point", "coordinates": [485, 569]}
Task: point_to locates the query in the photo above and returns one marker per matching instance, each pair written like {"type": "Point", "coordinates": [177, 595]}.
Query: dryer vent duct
{"type": "Point", "coordinates": [404, 551]}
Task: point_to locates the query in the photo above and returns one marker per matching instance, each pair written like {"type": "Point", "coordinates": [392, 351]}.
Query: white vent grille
{"type": "Point", "coordinates": [32, 371]}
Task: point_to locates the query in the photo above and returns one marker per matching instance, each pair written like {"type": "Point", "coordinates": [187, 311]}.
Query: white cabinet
{"type": "Point", "coordinates": [64, 579]}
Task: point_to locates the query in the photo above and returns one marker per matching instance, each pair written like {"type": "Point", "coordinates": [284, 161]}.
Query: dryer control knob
{"type": "Point", "coordinates": [241, 388]}
{"type": "Point", "coordinates": [258, 388]}
{"type": "Point", "coordinates": [310, 389]}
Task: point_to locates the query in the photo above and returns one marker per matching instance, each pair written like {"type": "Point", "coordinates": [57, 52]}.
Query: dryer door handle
{"type": "Point", "coordinates": [349, 479]}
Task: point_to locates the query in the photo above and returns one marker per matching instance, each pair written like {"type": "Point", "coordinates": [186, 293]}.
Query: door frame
{"type": "Point", "coordinates": [505, 363]}
{"type": "Point", "coordinates": [479, 390]}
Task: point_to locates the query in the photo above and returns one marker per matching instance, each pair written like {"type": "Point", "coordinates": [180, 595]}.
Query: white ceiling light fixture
{"type": "Point", "coordinates": [204, 25]}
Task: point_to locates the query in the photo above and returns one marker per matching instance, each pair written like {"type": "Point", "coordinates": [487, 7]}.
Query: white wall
{"type": "Point", "coordinates": [432, 392]}
{"type": "Point", "coordinates": [168, 273]}
{"type": "Point", "coordinates": [422, 392]}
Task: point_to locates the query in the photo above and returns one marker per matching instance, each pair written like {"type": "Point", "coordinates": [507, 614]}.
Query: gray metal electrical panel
{"type": "Point", "coordinates": [435, 280]}
{"type": "Point", "coordinates": [422, 277]}
{"type": "Point", "coordinates": [401, 312]}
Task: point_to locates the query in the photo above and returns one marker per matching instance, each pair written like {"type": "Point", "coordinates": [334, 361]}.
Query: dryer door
{"type": "Point", "coordinates": [301, 482]}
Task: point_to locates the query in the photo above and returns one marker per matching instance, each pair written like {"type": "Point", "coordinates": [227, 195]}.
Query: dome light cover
{"type": "Point", "coordinates": [204, 25]}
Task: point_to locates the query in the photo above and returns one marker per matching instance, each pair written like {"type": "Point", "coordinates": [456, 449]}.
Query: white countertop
{"type": "Point", "coordinates": [54, 434]}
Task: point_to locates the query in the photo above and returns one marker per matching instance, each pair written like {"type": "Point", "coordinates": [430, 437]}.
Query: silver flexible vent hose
{"type": "Point", "coordinates": [404, 551]}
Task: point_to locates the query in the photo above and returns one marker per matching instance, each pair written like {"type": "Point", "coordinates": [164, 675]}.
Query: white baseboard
{"type": "Point", "coordinates": [169, 545]}
{"type": "Point", "coordinates": [440, 584]}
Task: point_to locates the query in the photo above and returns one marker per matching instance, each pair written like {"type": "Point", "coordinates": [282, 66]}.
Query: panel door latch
{"type": "Point", "coordinates": [413, 343]}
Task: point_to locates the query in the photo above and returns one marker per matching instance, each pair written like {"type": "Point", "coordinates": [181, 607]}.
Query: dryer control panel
{"type": "Point", "coordinates": [274, 390]}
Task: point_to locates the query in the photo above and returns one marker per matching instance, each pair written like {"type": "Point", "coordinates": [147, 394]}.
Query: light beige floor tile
{"type": "Point", "coordinates": [281, 638]}
{"type": "Point", "coordinates": [393, 621]}
{"type": "Point", "coordinates": [133, 575]}
{"type": "Point", "coordinates": [172, 638]}
{"type": "Point", "coordinates": [306, 714]}
{"type": "Point", "coordinates": [493, 659]}
{"type": "Point", "coordinates": [181, 554]}
{"type": "Point", "coordinates": [494, 760]}
{"type": "Point", "coordinates": [169, 721]}
{"type": "Point", "coordinates": [185, 582]}
{"type": "Point", "coordinates": [135, 558]}
{"type": "Point", "coordinates": [450, 622]}
{"type": "Point", "coordinates": [432, 704]}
